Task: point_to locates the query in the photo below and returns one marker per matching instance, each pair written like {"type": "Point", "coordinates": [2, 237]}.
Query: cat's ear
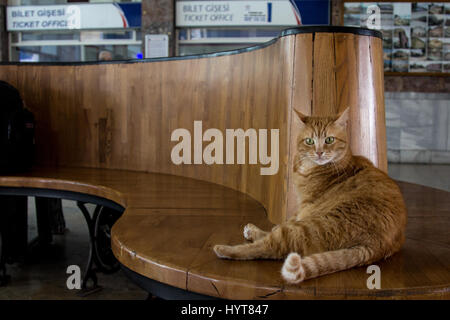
{"type": "Point", "coordinates": [301, 116]}
{"type": "Point", "coordinates": [342, 119]}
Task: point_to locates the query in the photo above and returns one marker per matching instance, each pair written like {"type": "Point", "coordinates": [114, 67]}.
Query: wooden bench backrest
{"type": "Point", "coordinates": [121, 115]}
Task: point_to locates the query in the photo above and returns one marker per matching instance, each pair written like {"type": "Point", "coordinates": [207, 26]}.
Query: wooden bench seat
{"type": "Point", "coordinates": [170, 224]}
{"type": "Point", "coordinates": [132, 189]}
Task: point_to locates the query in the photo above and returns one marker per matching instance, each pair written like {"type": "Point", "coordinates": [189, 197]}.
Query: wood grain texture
{"type": "Point", "coordinates": [302, 97]}
{"type": "Point", "coordinates": [341, 70]}
{"type": "Point", "coordinates": [170, 225]}
{"type": "Point", "coordinates": [121, 116]}
{"type": "Point", "coordinates": [323, 75]}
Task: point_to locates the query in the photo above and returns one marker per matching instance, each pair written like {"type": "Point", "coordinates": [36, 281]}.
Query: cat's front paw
{"type": "Point", "coordinates": [292, 270]}
{"type": "Point", "coordinates": [253, 233]}
{"type": "Point", "coordinates": [222, 251]}
{"type": "Point", "coordinates": [248, 231]}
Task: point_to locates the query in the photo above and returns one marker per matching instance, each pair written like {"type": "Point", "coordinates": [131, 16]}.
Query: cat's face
{"type": "Point", "coordinates": [322, 139]}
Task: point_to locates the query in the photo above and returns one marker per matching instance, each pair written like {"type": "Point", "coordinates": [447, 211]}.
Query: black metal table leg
{"type": "Point", "coordinates": [100, 254]}
{"type": "Point", "coordinates": [90, 272]}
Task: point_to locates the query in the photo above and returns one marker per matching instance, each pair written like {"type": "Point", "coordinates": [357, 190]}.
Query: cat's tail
{"type": "Point", "coordinates": [296, 269]}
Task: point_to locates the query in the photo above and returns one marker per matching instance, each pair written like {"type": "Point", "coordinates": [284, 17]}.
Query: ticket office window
{"type": "Point", "coordinates": [192, 41]}
{"type": "Point", "coordinates": [75, 46]}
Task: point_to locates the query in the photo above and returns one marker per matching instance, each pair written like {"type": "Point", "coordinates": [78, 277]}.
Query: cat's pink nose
{"type": "Point", "coordinates": [319, 153]}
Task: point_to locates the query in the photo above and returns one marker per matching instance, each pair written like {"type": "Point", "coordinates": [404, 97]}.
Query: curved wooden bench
{"type": "Point", "coordinates": [120, 116]}
{"type": "Point", "coordinates": [170, 224]}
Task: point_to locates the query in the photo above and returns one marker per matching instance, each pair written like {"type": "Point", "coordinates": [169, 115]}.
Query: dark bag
{"type": "Point", "coordinates": [16, 131]}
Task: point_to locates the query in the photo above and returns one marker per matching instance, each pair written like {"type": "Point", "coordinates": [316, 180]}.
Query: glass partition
{"type": "Point", "coordinates": [64, 30]}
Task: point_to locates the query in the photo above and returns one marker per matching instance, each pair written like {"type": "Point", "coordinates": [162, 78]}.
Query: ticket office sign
{"type": "Point", "coordinates": [74, 16]}
{"type": "Point", "coordinates": [236, 13]}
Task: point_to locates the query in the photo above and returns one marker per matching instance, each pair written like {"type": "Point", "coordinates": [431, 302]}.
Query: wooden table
{"type": "Point", "coordinates": [170, 224]}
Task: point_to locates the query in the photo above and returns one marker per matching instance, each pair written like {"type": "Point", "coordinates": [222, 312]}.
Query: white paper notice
{"type": "Point", "coordinates": [156, 45]}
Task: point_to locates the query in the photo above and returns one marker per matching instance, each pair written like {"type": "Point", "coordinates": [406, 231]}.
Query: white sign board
{"type": "Point", "coordinates": [62, 17]}
{"type": "Point", "coordinates": [156, 45]}
{"type": "Point", "coordinates": [236, 13]}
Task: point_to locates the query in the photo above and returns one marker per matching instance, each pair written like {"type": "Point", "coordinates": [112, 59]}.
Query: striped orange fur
{"type": "Point", "coordinates": [350, 213]}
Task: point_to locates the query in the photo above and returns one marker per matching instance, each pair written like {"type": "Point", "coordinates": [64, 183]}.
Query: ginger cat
{"type": "Point", "coordinates": [350, 213]}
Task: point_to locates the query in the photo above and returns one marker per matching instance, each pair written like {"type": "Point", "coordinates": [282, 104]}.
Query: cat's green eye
{"type": "Point", "coordinates": [309, 141]}
{"type": "Point", "coordinates": [329, 140]}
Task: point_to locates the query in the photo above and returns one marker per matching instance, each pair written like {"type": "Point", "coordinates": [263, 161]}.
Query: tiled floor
{"type": "Point", "coordinates": [44, 275]}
